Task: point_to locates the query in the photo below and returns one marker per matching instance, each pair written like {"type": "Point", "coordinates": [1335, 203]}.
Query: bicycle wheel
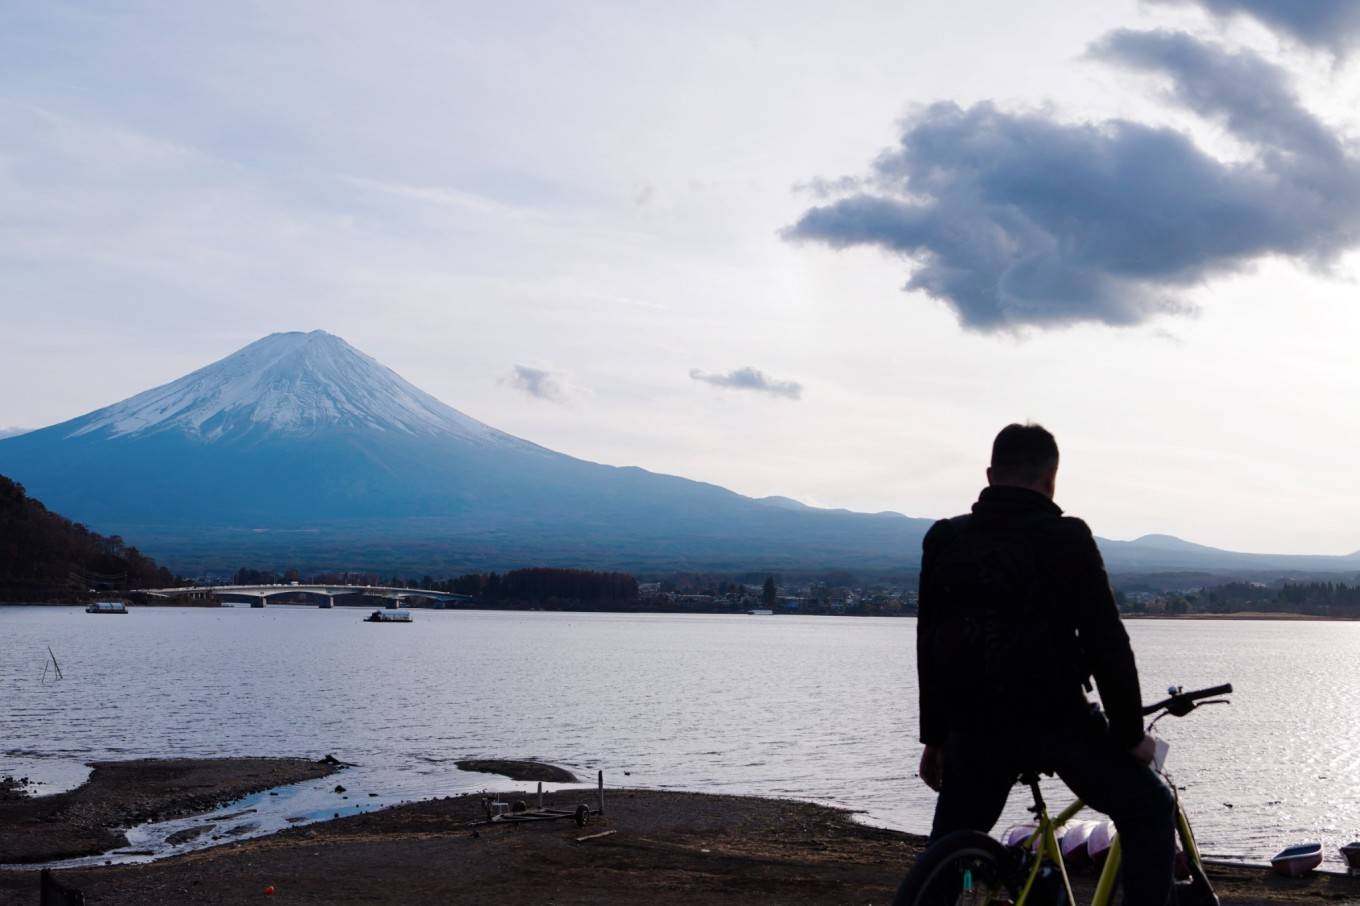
{"type": "Point", "coordinates": [964, 867]}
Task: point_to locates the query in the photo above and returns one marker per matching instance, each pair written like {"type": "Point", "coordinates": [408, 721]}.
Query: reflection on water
{"type": "Point", "coordinates": [818, 708]}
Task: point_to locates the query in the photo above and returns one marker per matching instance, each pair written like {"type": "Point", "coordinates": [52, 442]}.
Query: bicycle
{"type": "Point", "coordinates": [970, 868]}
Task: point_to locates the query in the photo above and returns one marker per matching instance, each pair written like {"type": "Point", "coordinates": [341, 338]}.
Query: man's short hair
{"type": "Point", "coordinates": [1023, 453]}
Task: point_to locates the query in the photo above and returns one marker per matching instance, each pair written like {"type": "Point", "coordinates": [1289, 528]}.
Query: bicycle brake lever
{"type": "Point", "coordinates": [1180, 707]}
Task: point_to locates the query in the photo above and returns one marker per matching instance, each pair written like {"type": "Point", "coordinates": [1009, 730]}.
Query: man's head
{"type": "Point", "coordinates": [1025, 456]}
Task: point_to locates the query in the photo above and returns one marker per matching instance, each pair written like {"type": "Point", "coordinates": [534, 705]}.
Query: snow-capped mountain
{"type": "Point", "coordinates": [286, 383]}
{"type": "Point", "coordinates": [299, 449]}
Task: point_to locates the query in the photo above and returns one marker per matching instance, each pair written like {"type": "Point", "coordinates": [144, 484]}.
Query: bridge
{"type": "Point", "coordinates": [324, 595]}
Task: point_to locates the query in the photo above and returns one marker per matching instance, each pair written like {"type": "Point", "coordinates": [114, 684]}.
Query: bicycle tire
{"type": "Point", "coordinates": [937, 878]}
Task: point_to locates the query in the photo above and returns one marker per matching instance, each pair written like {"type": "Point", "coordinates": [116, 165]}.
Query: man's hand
{"type": "Point", "coordinates": [932, 767]}
{"type": "Point", "coordinates": [1144, 752]}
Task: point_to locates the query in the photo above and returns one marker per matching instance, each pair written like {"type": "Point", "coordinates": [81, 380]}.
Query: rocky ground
{"type": "Point", "coordinates": [650, 847]}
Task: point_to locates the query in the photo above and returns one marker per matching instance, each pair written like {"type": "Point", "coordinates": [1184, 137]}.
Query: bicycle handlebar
{"type": "Point", "coordinates": [1182, 703]}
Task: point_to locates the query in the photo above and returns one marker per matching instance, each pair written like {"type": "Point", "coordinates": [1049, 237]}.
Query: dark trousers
{"type": "Point", "coordinates": [980, 771]}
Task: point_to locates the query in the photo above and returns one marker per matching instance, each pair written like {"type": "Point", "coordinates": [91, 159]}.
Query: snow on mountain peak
{"type": "Point", "coordinates": [295, 382]}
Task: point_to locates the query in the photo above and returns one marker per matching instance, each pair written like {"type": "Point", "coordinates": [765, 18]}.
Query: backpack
{"type": "Point", "coordinates": [996, 640]}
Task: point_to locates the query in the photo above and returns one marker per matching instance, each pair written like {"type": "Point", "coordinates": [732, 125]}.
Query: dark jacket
{"type": "Point", "coordinates": [1086, 637]}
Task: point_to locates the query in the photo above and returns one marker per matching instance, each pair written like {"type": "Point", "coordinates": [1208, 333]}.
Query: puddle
{"type": "Point", "coordinates": [46, 776]}
{"type": "Point", "coordinates": [367, 789]}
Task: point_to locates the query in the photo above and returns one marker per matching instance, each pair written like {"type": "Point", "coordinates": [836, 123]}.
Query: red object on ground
{"type": "Point", "coordinates": [269, 890]}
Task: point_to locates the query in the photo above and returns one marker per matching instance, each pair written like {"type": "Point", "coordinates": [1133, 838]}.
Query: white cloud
{"type": "Point", "coordinates": [536, 382]}
{"type": "Point", "coordinates": [749, 378]}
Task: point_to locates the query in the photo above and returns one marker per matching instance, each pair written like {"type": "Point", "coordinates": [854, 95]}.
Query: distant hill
{"type": "Point", "coordinates": [1164, 553]}
{"type": "Point", "coordinates": [44, 556]}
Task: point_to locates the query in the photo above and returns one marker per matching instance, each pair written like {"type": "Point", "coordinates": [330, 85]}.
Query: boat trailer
{"type": "Point", "coordinates": [518, 812]}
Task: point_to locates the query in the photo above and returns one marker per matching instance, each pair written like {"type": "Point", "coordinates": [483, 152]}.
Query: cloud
{"type": "Point", "coordinates": [537, 383]}
{"type": "Point", "coordinates": [13, 432]}
{"type": "Point", "coordinates": [1252, 97]}
{"type": "Point", "coordinates": [1332, 25]}
{"type": "Point", "coordinates": [750, 379]}
{"type": "Point", "coordinates": [1018, 220]}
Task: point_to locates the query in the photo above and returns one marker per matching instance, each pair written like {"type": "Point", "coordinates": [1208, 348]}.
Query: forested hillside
{"type": "Point", "coordinates": [46, 557]}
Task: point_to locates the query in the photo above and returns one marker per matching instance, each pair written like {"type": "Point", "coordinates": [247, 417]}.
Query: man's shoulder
{"type": "Point", "coordinates": [943, 528]}
{"type": "Point", "coordinates": [1073, 535]}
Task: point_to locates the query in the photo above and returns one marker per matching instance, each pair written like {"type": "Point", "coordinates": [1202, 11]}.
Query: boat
{"type": "Point", "coordinates": [1074, 842]}
{"type": "Point", "coordinates": [388, 616]}
{"type": "Point", "coordinates": [1297, 860]}
{"type": "Point", "coordinates": [760, 612]}
{"type": "Point", "coordinates": [1351, 853]}
{"type": "Point", "coordinates": [1016, 836]}
{"type": "Point", "coordinates": [1098, 842]}
{"type": "Point", "coordinates": [107, 607]}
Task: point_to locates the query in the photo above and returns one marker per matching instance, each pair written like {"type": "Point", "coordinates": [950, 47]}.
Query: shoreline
{"type": "Point", "coordinates": [1244, 615]}
{"type": "Point", "coordinates": [649, 846]}
{"type": "Point", "coordinates": [90, 819]}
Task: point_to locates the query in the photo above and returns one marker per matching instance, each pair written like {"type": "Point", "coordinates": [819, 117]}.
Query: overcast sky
{"type": "Point", "coordinates": [823, 251]}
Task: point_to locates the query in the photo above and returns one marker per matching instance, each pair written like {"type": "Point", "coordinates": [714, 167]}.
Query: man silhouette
{"type": "Point", "coordinates": [1016, 615]}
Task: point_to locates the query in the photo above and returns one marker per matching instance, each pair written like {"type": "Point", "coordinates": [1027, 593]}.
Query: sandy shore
{"type": "Point", "coordinates": [654, 847]}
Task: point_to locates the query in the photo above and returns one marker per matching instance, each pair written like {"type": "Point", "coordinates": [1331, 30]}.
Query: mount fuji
{"type": "Point", "coordinates": [300, 450]}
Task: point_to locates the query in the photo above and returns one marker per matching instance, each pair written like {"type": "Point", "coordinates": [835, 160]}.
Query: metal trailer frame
{"type": "Point", "coordinates": [496, 810]}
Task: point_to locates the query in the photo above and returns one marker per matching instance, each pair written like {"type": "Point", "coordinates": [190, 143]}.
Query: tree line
{"type": "Point", "coordinates": [47, 557]}
{"type": "Point", "coordinates": [1322, 599]}
{"type": "Point", "coordinates": [1318, 599]}
{"type": "Point", "coordinates": [540, 586]}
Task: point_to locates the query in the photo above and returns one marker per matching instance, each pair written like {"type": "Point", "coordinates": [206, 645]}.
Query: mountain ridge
{"type": "Point", "coordinates": [300, 445]}
{"type": "Point", "coordinates": [290, 382]}
{"type": "Point", "coordinates": [299, 448]}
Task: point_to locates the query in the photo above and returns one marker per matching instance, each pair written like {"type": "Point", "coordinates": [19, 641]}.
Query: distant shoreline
{"type": "Point", "coordinates": [1241, 615]}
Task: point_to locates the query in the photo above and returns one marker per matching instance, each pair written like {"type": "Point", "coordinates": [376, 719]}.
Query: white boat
{"type": "Point", "coordinates": [760, 612]}
{"type": "Point", "coordinates": [1016, 836]}
{"type": "Point", "coordinates": [1098, 842]}
{"type": "Point", "coordinates": [388, 616]}
{"type": "Point", "coordinates": [1297, 860]}
{"type": "Point", "coordinates": [1074, 841]}
{"type": "Point", "coordinates": [107, 607]}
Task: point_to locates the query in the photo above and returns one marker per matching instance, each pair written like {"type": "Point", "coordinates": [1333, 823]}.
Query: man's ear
{"type": "Point", "coordinates": [1051, 482]}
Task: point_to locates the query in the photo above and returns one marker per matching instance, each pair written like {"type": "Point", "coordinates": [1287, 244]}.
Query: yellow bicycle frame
{"type": "Point", "coordinates": [1047, 848]}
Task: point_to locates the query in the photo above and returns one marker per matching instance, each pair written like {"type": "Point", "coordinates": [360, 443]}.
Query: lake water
{"type": "Point", "coordinates": [815, 708]}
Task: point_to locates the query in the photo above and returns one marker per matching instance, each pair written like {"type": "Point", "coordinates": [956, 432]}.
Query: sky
{"type": "Point", "coordinates": [788, 248]}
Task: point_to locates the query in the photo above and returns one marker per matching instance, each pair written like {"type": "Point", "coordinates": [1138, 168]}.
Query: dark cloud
{"type": "Point", "coordinates": [1332, 25]}
{"type": "Point", "coordinates": [1253, 98]}
{"type": "Point", "coordinates": [536, 382]}
{"type": "Point", "coordinates": [1016, 219]}
{"type": "Point", "coordinates": [750, 379]}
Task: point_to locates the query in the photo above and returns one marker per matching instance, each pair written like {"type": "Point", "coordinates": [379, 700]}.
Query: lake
{"type": "Point", "coordinates": [815, 708]}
